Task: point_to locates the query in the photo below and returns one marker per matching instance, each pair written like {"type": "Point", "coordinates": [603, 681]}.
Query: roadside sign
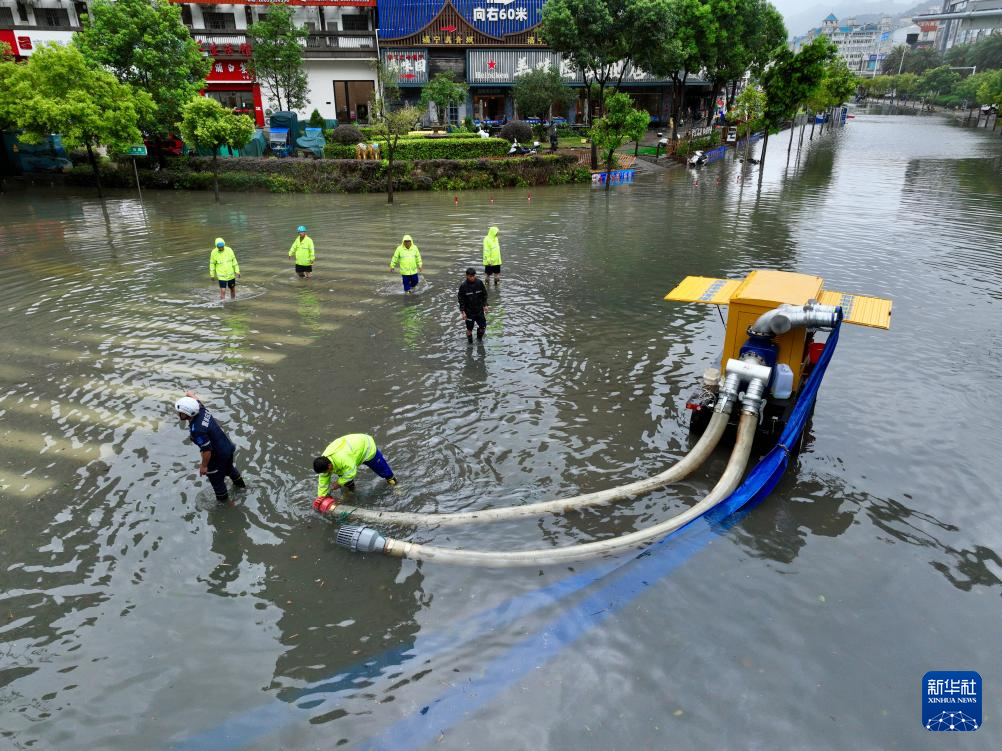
{"type": "Point", "coordinates": [136, 151]}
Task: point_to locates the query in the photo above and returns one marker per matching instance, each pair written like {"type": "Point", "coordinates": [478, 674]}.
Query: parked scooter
{"type": "Point", "coordinates": [519, 150]}
{"type": "Point", "coordinates": [698, 159]}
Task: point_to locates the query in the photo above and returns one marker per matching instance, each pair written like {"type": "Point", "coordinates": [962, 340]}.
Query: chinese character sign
{"type": "Point", "coordinates": [410, 65]}
{"type": "Point", "coordinates": [402, 18]}
{"type": "Point", "coordinates": [502, 67]}
{"type": "Point", "coordinates": [951, 700]}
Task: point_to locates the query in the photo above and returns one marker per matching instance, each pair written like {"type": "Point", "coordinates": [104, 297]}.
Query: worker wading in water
{"type": "Point", "coordinates": [492, 256]}
{"type": "Point", "coordinates": [408, 257]}
{"type": "Point", "coordinates": [302, 249]}
{"type": "Point", "coordinates": [473, 304]}
{"type": "Point", "coordinates": [223, 267]}
{"type": "Point", "coordinates": [216, 448]}
{"type": "Point", "coordinates": [339, 464]}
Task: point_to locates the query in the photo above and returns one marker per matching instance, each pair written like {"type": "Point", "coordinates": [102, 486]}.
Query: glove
{"type": "Point", "coordinates": [323, 504]}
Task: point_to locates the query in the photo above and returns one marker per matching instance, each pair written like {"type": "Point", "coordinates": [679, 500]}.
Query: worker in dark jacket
{"type": "Point", "coordinates": [473, 304]}
{"type": "Point", "coordinates": [213, 444]}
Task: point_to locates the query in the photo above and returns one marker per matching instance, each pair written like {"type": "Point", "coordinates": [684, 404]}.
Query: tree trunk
{"type": "Point", "coordinates": [730, 98]}
{"type": "Point", "coordinates": [765, 145]}
{"type": "Point", "coordinates": [389, 172]}
{"type": "Point", "coordinates": [814, 121]}
{"type": "Point", "coordinates": [793, 130]}
{"type": "Point", "coordinates": [97, 172]}
{"type": "Point", "coordinates": [215, 172]}
{"type": "Point", "coordinates": [803, 127]}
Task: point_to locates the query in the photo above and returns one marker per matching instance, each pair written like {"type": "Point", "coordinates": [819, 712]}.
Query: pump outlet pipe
{"type": "Point", "coordinates": [366, 539]}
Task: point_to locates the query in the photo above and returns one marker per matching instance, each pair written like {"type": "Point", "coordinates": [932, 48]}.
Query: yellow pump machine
{"type": "Point", "coordinates": [772, 321]}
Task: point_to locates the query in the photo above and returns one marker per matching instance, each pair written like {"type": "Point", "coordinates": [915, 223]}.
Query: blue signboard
{"type": "Point", "coordinates": [401, 18]}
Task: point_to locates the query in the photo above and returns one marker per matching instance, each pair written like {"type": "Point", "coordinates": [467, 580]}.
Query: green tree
{"type": "Point", "coordinates": [917, 60]}
{"type": "Point", "coordinates": [538, 90]}
{"type": "Point", "coordinates": [987, 53]}
{"type": "Point", "coordinates": [990, 90]}
{"type": "Point", "coordinates": [958, 55]}
{"type": "Point", "coordinates": [443, 91]}
{"type": "Point", "coordinates": [602, 38]}
{"type": "Point", "coordinates": [938, 81]}
{"type": "Point", "coordinates": [277, 58]}
{"type": "Point", "coordinates": [791, 81]}
{"type": "Point", "coordinates": [969, 87]}
{"type": "Point", "coordinates": [206, 124]}
{"type": "Point", "coordinates": [394, 125]}
{"type": "Point", "coordinates": [906, 84]}
{"type": "Point", "coordinates": [145, 44]}
{"type": "Point", "coordinates": [58, 91]}
{"type": "Point", "coordinates": [620, 123]}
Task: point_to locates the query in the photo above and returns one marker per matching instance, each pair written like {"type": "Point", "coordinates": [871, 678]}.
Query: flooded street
{"type": "Point", "coordinates": [137, 614]}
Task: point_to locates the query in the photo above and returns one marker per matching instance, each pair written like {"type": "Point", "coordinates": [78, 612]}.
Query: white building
{"type": "Point", "coordinates": [862, 46]}
{"type": "Point", "coordinates": [963, 21]}
{"type": "Point", "coordinates": [339, 53]}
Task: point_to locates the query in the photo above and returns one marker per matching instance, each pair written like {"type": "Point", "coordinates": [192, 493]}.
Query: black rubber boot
{"type": "Point", "coordinates": [238, 482]}
{"type": "Point", "coordinates": [480, 333]}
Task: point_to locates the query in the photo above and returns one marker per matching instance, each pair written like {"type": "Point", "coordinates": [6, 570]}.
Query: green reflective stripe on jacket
{"type": "Point", "coordinates": [223, 264]}
{"type": "Point", "coordinates": [492, 248]}
{"type": "Point", "coordinates": [346, 454]}
{"type": "Point", "coordinates": [408, 258]}
{"type": "Point", "coordinates": [303, 250]}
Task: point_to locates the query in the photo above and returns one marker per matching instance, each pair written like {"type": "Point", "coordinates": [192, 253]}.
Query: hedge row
{"type": "Point", "coordinates": [346, 176]}
{"type": "Point", "coordinates": [430, 148]}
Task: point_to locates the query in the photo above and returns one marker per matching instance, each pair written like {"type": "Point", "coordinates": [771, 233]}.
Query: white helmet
{"type": "Point", "coordinates": [187, 406]}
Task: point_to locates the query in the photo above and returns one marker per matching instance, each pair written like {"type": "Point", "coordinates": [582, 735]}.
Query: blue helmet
{"type": "Point", "coordinates": [300, 228]}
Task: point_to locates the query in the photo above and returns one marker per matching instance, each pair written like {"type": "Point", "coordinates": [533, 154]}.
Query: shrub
{"type": "Point", "coordinates": [430, 148]}
{"type": "Point", "coordinates": [347, 135]}
{"type": "Point", "coordinates": [339, 150]}
{"type": "Point", "coordinates": [468, 125]}
{"type": "Point", "coordinates": [517, 130]}
{"type": "Point", "coordinates": [316, 121]}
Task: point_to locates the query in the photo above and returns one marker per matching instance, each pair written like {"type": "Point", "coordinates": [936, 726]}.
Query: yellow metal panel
{"type": "Point", "coordinates": [771, 288]}
{"type": "Point", "coordinates": [704, 289]}
{"type": "Point", "coordinates": [860, 309]}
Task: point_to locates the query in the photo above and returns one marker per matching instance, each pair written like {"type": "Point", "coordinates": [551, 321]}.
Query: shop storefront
{"type": "Point", "coordinates": [230, 82]}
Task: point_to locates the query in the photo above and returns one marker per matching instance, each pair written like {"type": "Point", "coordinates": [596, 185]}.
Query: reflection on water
{"type": "Point", "coordinates": [137, 615]}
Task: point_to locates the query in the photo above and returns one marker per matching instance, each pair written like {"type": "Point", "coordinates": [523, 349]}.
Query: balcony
{"type": "Point", "coordinates": [334, 44]}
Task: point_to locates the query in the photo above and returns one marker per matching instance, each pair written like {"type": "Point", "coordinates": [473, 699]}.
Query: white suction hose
{"type": "Point", "coordinates": [364, 539]}
{"type": "Point", "coordinates": [685, 466]}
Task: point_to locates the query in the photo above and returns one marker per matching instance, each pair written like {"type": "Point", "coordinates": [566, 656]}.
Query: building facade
{"type": "Point", "coordinates": [487, 44]}
{"type": "Point", "coordinates": [962, 22]}
{"type": "Point", "coordinates": [862, 46]}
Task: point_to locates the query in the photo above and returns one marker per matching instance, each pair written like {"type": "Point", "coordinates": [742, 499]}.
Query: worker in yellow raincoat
{"type": "Point", "coordinates": [304, 252]}
{"type": "Point", "coordinates": [492, 256]}
{"type": "Point", "coordinates": [224, 268]}
{"type": "Point", "coordinates": [408, 257]}
{"type": "Point", "coordinates": [339, 463]}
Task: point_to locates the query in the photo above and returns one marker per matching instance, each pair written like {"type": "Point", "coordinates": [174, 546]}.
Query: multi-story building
{"type": "Point", "coordinates": [484, 43]}
{"type": "Point", "coordinates": [487, 44]}
{"type": "Point", "coordinates": [963, 21]}
{"type": "Point", "coordinates": [862, 46]}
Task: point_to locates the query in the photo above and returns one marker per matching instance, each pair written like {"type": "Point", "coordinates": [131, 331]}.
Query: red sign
{"type": "Point", "coordinates": [352, 3]}
{"type": "Point", "coordinates": [928, 27]}
{"type": "Point", "coordinates": [229, 71]}
{"type": "Point", "coordinates": [24, 43]}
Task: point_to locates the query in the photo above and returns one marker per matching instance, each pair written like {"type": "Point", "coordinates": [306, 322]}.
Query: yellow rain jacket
{"type": "Point", "coordinates": [408, 258]}
{"type": "Point", "coordinates": [492, 248]}
{"type": "Point", "coordinates": [345, 454]}
{"type": "Point", "coordinates": [223, 263]}
{"type": "Point", "coordinates": [303, 250]}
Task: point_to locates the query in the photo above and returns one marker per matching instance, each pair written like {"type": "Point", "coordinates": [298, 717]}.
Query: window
{"type": "Point", "coordinates": [6, 17]}
{"type": "Point", "coordinates": [354, 22]}
{"type": "Point", "coordinates": [219, 21]}
{"type": "Point", "coordinates": [53, 18]}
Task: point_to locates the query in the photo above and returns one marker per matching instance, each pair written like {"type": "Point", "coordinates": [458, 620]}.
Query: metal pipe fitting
{"type": "Point", "coordinates": [360, 539]}
{"type": "Point", "coordinates": [754, 397]}
{"type": "Point", "coordinates": [785, 317]}
{"type": "Point", "coordinates": [748, 368]}
{"type": "Point", "coordinates": [728, 394]}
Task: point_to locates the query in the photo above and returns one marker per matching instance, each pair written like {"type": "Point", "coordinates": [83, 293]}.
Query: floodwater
{"type": "Point", "coordinates": [138, 615]}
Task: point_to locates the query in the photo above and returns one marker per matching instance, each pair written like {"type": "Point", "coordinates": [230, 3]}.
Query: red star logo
{"type": "Point", "coordinates": [491, 65]}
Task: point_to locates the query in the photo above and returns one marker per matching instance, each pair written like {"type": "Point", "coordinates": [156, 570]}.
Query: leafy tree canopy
{"type": "Point", "coordinates": [619, 123]}
{"type": "Point", "coordinates": [277, 58]}
{"type": "Point", "coordinates": [537, 90]}
{"type": "Point", "coordinates": [145, 44]}
{"type": "Point", "coordinates": [443, 90]}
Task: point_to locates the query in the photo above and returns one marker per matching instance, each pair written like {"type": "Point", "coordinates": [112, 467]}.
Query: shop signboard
{"type": "Point", "coordinates": [496, 18]}
{"type": "Point", "coordinates": [410, 65]}
{"type": "Point", "coordinates": [500, 67]}
{"type": "Point", "coordinates": [229, 71]}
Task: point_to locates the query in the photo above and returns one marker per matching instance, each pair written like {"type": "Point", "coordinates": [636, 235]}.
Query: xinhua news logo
{"type": "Point", "coordinates": [951, 700]}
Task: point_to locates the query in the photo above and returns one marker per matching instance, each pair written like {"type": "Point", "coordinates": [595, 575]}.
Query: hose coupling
{"type": "Point", "coordinates": [323, 504]}
{"type": "Point", "coordinates": [754, 397]}
{"type": "Point", "coordinates": [360, 539]}
{"type": "Point", "coordinates": [727, 394]}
